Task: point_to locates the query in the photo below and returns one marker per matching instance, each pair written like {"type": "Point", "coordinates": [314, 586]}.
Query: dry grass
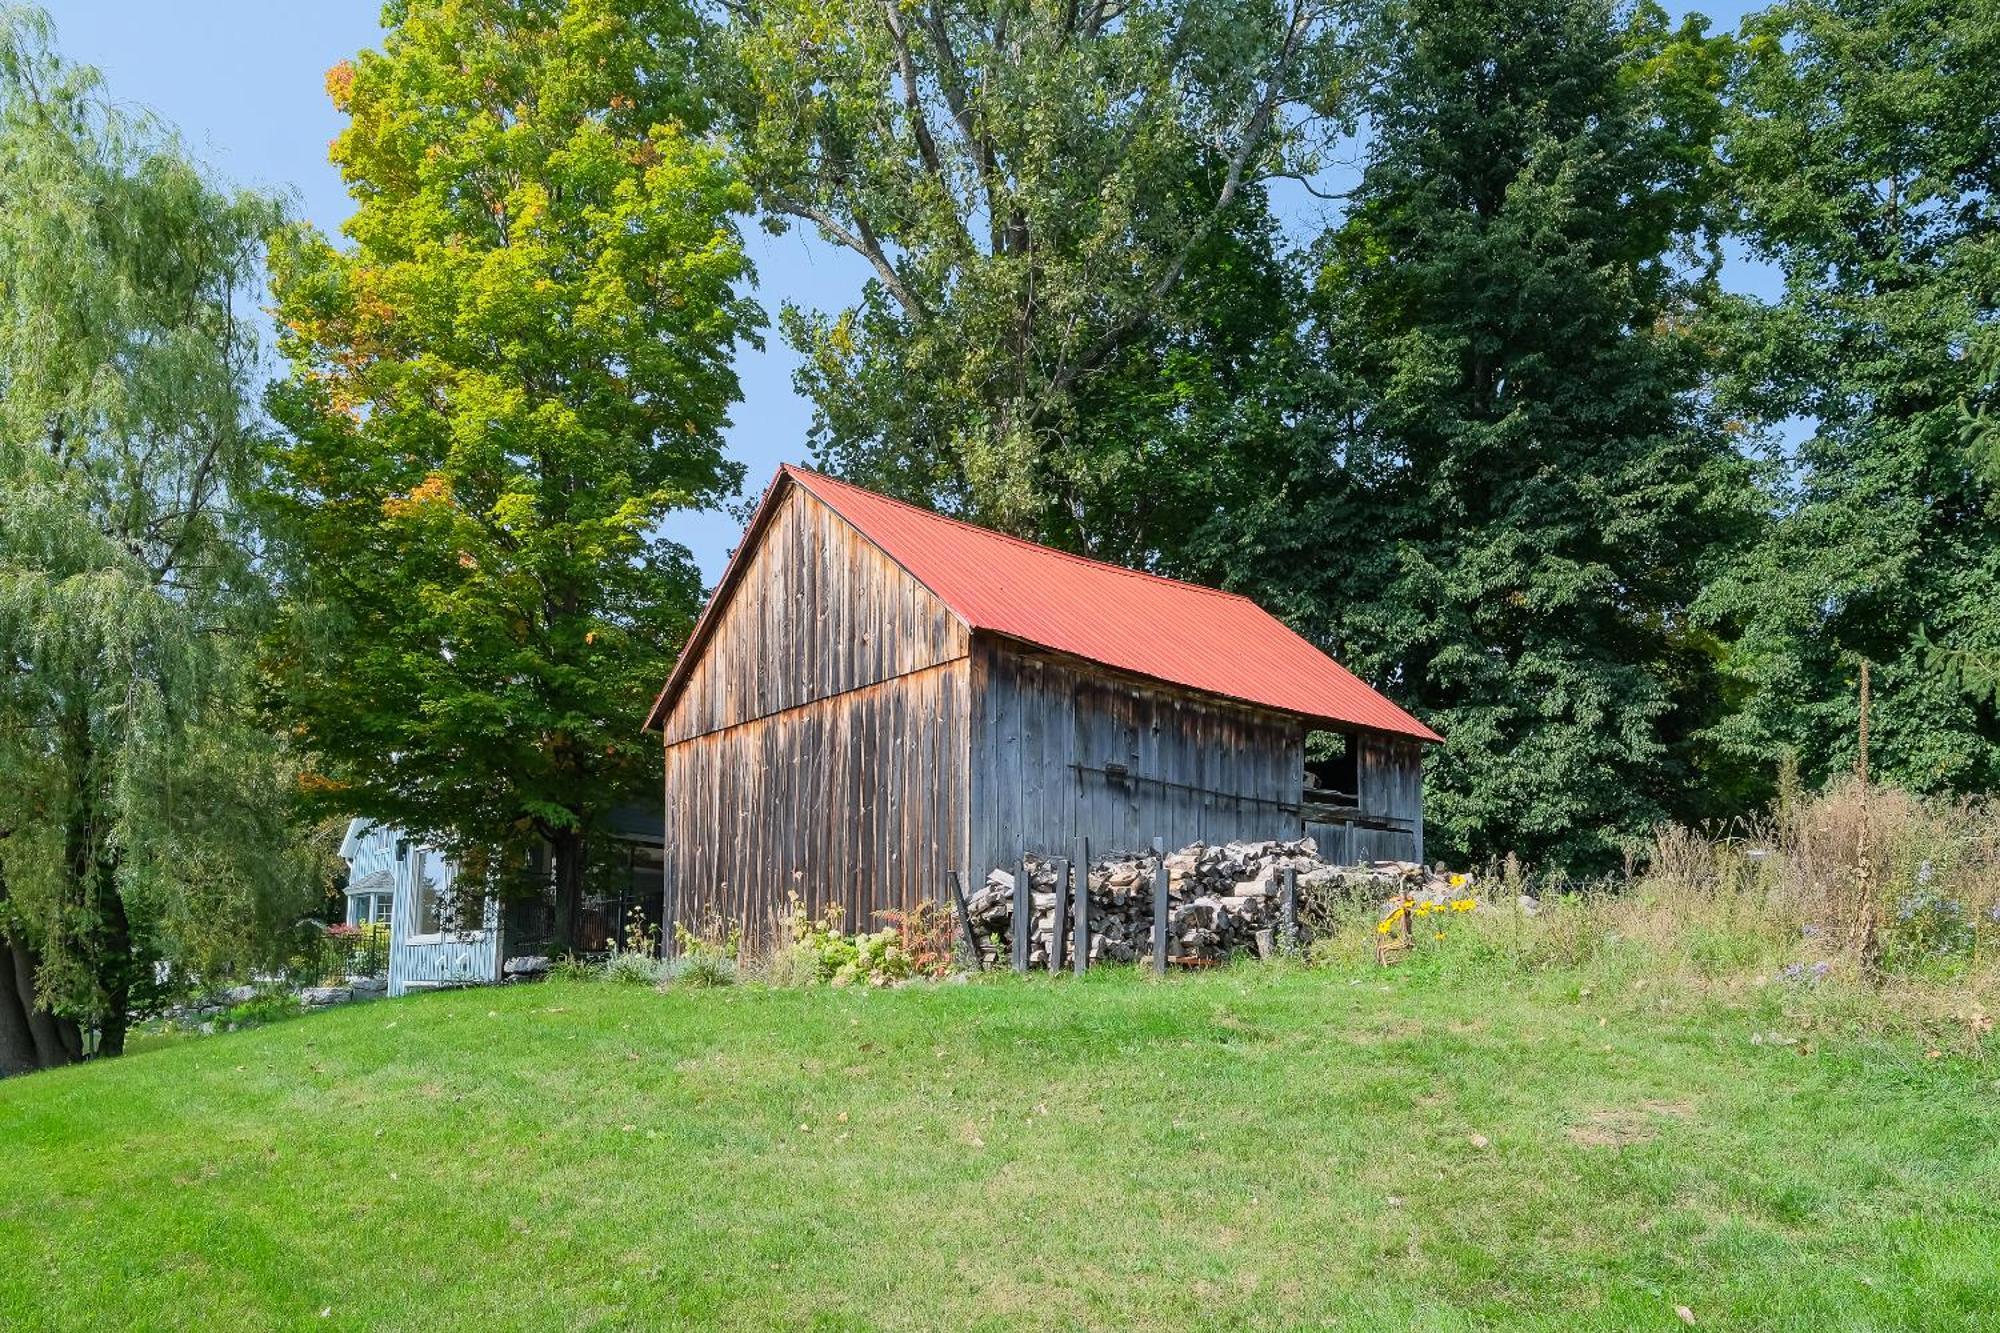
{"type": "Point", "coordinates": [1864, 908]}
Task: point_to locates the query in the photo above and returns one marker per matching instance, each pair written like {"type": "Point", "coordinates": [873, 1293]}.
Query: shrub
{"type": "Point", "coordinates": [700, 970]}
{"type": "Point", "coordinates": [918, 943]}
{"type": "Point", "coordinates": [631, 968]}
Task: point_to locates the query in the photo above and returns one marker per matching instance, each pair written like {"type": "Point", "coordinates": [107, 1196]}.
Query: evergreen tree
{"type": "Point", "coordinates": [516, 370]}
{"type": "Point", "coordinates": [144, 810]}
{"type": "Point", "coordinates": [1519, 485]}
{"type": "Point", "coordinates": [1867, 155]}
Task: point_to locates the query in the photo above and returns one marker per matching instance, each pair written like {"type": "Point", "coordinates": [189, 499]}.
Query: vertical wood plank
{"type": "Point", "coordinates": [1059, 931]}
{"type": "Point", "coordinates": [1021, 892]}
{"type": "Point", "coordinates": [1080, 955]}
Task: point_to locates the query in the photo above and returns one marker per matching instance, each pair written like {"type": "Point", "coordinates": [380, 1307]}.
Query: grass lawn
{"type": "Point", "coordinates": [1251, 1148]}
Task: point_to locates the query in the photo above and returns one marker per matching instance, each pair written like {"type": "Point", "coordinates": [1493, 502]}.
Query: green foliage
{"type": "Point", "coordinates": [1515, 486]}
{"type": "Point", "coordinates": [516, 370]}
{"type": "Point", "coordinates": [145, 811]}
{"type": "Point", "coordinates": [1927, 928]}
{"type": "Point", "coordinates": [1077, 321]}
{"type": "Point", "coordinates": [702, 971]}
{"type": "Point", "coordinates": [915, 944]}
{"type": "Point", "coordinates": [1865, 160]}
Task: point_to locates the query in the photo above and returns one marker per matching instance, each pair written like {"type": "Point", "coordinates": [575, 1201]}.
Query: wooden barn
{"type": "Point", "coordinates": [877, 695]}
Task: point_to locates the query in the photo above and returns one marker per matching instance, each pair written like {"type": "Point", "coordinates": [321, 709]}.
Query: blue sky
{"type": "Point", "coordinates": [242, 79]}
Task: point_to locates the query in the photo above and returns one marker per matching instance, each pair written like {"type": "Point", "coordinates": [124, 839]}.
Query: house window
{"type": "Point", "coordinates": [379, 905]}
{"type": "Point", "coordinates": [427, 896]}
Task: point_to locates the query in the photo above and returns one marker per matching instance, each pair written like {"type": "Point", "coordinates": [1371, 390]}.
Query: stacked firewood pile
{"type": "Point", "coordinates": [1220, 899]}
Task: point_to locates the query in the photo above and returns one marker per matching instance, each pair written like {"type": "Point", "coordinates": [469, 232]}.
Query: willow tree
{"type": "Point", "coordinates": [517, 367]}
{"type": "Point", "coordinates": [1074, 292]}
{"type": "Point", "coordinates": [143, 812]}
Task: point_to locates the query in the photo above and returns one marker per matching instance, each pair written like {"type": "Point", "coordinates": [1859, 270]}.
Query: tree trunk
{"type": "Point", "coordinates": [115, 963]}
{"type": "Point", "coordinates": [30, 1037]}
{"type": "Point", "coordinates": [567, 849]}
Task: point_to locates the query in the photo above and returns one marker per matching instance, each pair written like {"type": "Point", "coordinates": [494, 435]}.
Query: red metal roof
{"type": "Point", "coordinates": [1202, 638]}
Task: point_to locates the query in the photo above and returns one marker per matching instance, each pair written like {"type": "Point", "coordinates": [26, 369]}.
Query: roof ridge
{"type": "Point", "coordinates": [1021, 541]}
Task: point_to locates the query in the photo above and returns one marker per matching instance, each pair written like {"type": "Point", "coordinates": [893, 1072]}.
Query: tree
{"type": "Point", "coordinates": [1063, 208]}
{"type": "Point", "coordinates": [519, 366]}
{"type": "Point", "coordinates": [144, 811]}
{"type": "Point", "coordinates": [1866, 156]}
{"type": "Point", "coordinates": [1521, 487]}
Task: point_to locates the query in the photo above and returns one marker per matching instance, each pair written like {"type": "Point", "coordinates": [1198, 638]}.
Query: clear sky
{"type": "Point", "coordinates": [242, 79]}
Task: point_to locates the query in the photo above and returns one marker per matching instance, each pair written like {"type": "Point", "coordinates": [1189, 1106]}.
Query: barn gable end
{"type": "Point", "coordinates": [810, 609]}
{"type": "Point", "coordinates": [816, 733]}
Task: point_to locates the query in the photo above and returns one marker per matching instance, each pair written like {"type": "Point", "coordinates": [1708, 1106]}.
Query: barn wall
{"type": "Point", "coordinates": [818, 610]}
{"type": "Point", "coordinates": [859, 799]}
{"type": "Point", "coordinates": [1387, 821]}
{"type": "Point", "coordinates": [1050, 733]}
{"type": "Point", "coordinates": [819, 741]}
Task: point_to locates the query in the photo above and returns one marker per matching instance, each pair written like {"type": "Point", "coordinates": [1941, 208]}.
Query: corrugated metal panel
{"type": "Point", "coordinates": [1204, 639]}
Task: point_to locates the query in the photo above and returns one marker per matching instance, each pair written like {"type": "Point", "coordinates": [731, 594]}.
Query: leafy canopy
{"type": "Point", "coordinates": [1074, 278]}
{"type": "Point", "coordinates": [514, 371]}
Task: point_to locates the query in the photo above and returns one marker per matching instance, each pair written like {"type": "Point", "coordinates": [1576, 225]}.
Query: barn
{"type": "Point", "coordinates": [876, 696]}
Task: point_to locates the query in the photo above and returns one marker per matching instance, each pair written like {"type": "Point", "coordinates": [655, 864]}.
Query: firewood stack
{"type": "Point", "coordinates": [1221, 899]}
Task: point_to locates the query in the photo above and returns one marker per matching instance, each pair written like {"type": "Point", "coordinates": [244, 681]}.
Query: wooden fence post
{"type": "Point", "coordinates": [965, 921]}
{"type": "Point", "coordinates": [1021, 915]}
{"type": "Point", "coordinates": [1288, 908]}
{"type": "Point", "coordinates": [1080, 955]}
{"type": "Point", "coordinates": [1059, 933]}
{"type": "Point", "coordinates": [1161, 907]}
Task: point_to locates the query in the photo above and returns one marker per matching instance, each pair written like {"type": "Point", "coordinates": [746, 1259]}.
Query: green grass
{"type": "Point", "coordinates": [1253, 1148]}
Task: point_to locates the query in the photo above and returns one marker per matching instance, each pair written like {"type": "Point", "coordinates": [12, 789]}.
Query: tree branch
{"type": "Point", "coordinates": [863, 243]}
{"type": "Point", "coordinates": [1254, 132]}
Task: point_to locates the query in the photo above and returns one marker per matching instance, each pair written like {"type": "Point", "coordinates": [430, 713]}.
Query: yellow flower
{"type": "Point", "coordinates": [1459, 879]}
{"type": "Point", "coordinates": [1439, 935]}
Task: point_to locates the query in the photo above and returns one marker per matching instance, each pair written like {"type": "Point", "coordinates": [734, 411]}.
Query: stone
{"type": "Point", "coordinates": [318, 997]}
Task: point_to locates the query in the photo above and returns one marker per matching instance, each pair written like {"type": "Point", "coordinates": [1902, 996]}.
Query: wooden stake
{"type": "Point", "coordinates": [1160, 906]}
{"type": "Point", "coordinates": [965, 921]}
{"type": "Point", "coordinates": [1021, 891]}
{"type": "Point", "coordinates": [1059, 933]}
{"type": "Point", "coordinates": [1864, 721]}
{"type": "Point", "coordinates": [1080, 954]}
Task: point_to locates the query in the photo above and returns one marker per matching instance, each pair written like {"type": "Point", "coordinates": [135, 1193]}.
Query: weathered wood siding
{"type": "Point", "coordinates": [819, 611]}
{"type": "Point", "coordinates": [1061, 748]}
{"type": "Point", "coordinates": [819, 744]}
{"type": "Point", "coordinates": [1387, 823]}
{"type": "Point", "coordinates": [858, 800]}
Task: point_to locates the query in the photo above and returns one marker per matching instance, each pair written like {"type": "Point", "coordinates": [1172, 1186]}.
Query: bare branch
{"type": "Point", "coordinates": [864, 243]}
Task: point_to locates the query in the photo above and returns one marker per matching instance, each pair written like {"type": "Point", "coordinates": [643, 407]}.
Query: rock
{"type": "Point", "coordinates": [239, 995]}
{"type": "Point", "coordinates": [1528, 906]}
{"type": "Point", "coordinates": [528, 965]}
{"type": "Point", "coordinates": [318, 997]}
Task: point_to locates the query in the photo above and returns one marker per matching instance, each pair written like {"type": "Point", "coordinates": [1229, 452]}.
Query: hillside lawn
{"type": "Point", "coordinates": [1257, 1147]}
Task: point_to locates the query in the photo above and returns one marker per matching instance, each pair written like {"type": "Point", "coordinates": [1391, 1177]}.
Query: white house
{"type": "Point", "coordinates": [436, 940]}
